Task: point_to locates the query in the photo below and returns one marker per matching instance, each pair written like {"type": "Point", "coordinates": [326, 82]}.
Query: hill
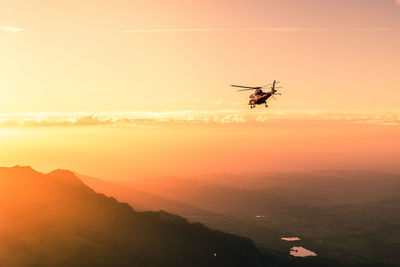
{"type": "Point", "coordinates": [55, 220]}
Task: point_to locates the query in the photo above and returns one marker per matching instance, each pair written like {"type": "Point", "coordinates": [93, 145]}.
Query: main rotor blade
{"type": "Point", "coordinates": [240, 86]}
{"type": "Point", "coordinates": [270, 84]}
{"type": "Point", "coordinates": [248, 88]}
{"type": "Point", "coordinates": [251, 89]}
{"type": "Point", "coordinates": [267, 85]}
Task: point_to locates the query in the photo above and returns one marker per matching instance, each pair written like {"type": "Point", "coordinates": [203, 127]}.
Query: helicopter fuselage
{"type": "Point", "coordinates": [259, 98]}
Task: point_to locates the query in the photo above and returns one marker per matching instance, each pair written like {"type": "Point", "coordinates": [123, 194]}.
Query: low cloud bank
{"type": "Point", "coordinates": [227, 118]}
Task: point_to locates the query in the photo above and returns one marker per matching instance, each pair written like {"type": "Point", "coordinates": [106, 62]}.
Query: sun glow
{"type": "Point", "coordinates": [128, 86]}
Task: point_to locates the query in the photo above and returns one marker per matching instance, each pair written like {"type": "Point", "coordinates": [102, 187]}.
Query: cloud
{"type": "Point", "coordinates": [211, 118]}
{"type": "Point", "coordinates": [10, 29]}
{"type": "Point", "coordinates": [269, 29]}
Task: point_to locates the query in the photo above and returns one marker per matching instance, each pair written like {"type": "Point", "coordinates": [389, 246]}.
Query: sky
{"type": "Point", "coordinates": [114, 88]}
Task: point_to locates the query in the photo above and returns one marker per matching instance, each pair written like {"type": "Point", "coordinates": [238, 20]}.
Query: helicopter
{"type": "Point", "coordinates": [259, 96]}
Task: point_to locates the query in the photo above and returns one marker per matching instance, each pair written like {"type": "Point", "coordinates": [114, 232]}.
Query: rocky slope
{"type": "Point", "coordinates": [55, 220]}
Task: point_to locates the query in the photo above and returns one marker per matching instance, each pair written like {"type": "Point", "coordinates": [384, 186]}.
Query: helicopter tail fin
{"type": "Point", "coordinates": [273, 87]}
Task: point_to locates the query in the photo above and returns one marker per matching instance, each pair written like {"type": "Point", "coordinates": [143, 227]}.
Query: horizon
{"type": "Point", "coordinates": [119, 147]}
{"type": "Point", "coordinates": [130, 146]}
{"type": "Point", "coordinates": [204, 176]}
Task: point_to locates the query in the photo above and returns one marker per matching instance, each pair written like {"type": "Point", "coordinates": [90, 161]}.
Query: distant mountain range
{"type": "Point", "coordinates": [352, 217]}
{"type": "Point", "coordinates": [54, 219]}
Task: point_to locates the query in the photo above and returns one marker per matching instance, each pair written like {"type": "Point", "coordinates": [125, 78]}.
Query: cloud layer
{"type": "Point", "coordinates": [10, 29]}
{"type": "Point", "coordinates": [210, 118]}
{"type": "Point", "coordinates": [271, 29]}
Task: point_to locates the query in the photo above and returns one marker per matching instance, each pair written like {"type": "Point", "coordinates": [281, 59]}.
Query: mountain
{"type": "Point", "coordinates": [142, 201]}
{"type": "Point", "coordinates": [253, 194]}
{"type": "Point", "coordinates": [54, 219]}
{"type": "Point", "coordinates": [348, 216]}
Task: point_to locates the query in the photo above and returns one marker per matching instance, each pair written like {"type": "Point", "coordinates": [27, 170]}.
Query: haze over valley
{"type": "Point", "coordinates": [336, 213]}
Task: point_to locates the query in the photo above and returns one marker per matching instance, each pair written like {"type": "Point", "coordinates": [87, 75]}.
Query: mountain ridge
{"type": "Point", "coordinates": [52, 220]}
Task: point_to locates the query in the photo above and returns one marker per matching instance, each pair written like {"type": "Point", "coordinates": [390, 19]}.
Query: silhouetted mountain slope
{"type": "Point", "coordinates": [55, 220]}
{"type": "Point", "coordinates": [141, 201]}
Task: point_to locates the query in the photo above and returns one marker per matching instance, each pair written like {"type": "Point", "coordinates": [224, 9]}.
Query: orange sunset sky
{"type": "Point", "coordinates": [124, 89]}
